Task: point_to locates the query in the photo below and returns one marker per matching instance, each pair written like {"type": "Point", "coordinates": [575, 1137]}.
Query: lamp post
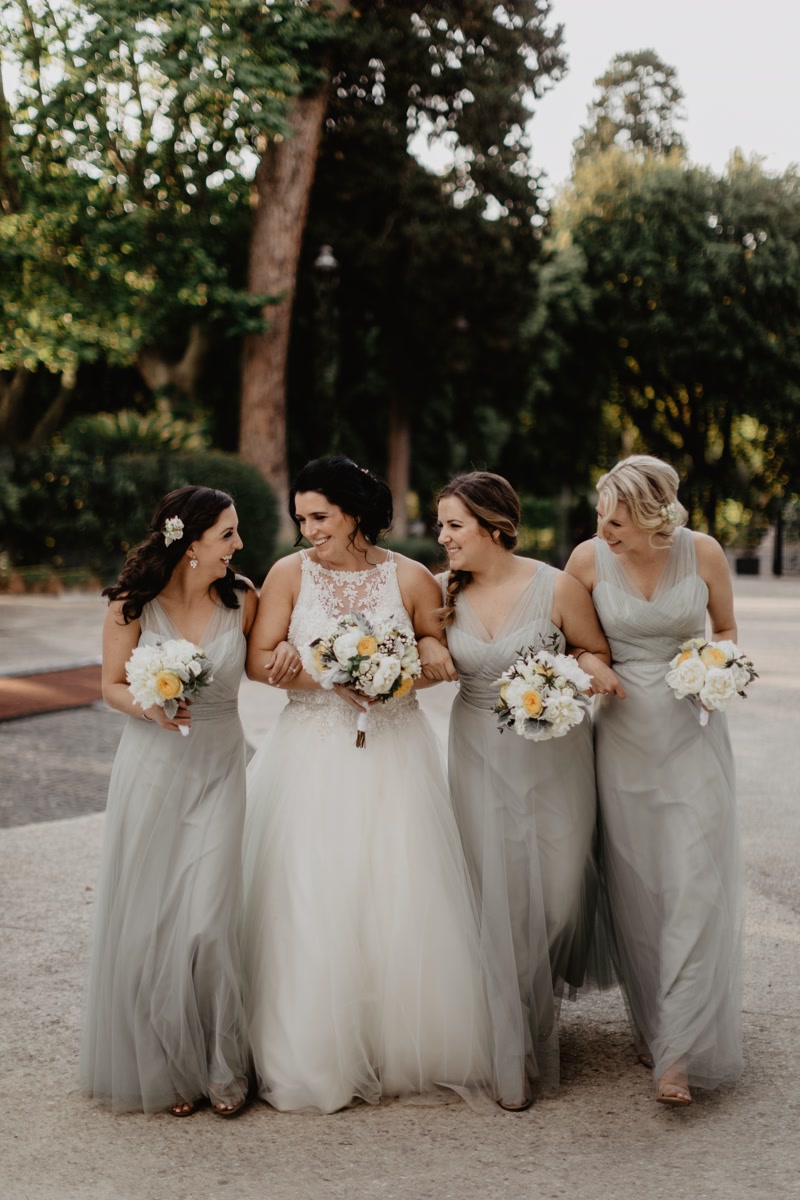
{"type": "Point", "coordinates": [326, 276]}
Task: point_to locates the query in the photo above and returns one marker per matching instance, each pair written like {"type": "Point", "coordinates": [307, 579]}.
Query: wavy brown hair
{"type": "Point", "coordinates": [494, 504]}
{"type": "Point", "coordinates": [149, 566]}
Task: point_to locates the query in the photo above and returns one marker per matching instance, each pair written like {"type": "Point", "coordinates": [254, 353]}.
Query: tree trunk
{"type": "Point", "coordinates": [282, 189]}
{"type": "Point", "coordinates": [185, 374]}
{"type": "Point", "coordinates": [53, 418]}
{"type": "Point", "coordinates": [12, 395]}
{"type": "Point", "coordinates": [399, 462]}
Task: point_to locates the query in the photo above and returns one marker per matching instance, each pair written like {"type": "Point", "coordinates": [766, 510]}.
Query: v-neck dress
{"type": "Point", "coordinates": [526, 811]}
{"type": "Point", "coordinates": [163, 1015]}
{"type": "Point", "coordinates": [670, 844]}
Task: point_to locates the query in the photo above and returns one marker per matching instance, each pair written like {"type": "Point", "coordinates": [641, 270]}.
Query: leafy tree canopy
{"type": "Point", "coordinates": [692, 331]}
{"type": "Point", "coordinates": [638, 108]}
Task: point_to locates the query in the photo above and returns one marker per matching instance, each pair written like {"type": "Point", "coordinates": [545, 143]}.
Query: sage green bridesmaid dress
{"type": "Point", "coordinates": [670, 843]}
{"type": "Point", "coordinates": [527, 814]}
{"type": "Point", "coordinates": [163, 1016]}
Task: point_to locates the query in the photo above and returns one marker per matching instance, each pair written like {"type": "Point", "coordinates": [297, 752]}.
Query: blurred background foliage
{"type": "Point", "coordinates": [444, 309]}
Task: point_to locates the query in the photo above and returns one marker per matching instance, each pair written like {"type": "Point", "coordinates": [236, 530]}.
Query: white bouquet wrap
{"type": "Point", "coordinates": [377, 662]}
{"type": "Point", "coordinates": [165, 673]}
{"type": "Point", "coordinates": [541, 695]}
{"type": "Point", "coordinates": [710, 674]}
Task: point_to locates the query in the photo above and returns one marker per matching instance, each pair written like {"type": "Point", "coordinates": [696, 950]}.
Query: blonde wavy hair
{"type": "Point", "coordinates": [649, 489]}
{"type": "Point", "coordinates": [494, 504]}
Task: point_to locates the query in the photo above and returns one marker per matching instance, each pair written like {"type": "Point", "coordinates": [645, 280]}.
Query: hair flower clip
{"type": "Point", "coordinates": [172, 530]}
{"type": "Point", "coordinates": [668, 514]}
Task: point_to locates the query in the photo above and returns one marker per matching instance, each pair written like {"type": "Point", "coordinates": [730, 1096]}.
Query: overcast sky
{"type": "Point", "coordinates": [737, 63]}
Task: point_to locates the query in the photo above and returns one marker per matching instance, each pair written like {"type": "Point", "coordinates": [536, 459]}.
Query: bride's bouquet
{"type": "Point", "coordinates": [168, 672]}
{"type": "Point", "coordinates": [541, 695]}
{"type": "Point", "coordinates": [709, 673]}
{"type": "Point", "coordinates": [376, 661]}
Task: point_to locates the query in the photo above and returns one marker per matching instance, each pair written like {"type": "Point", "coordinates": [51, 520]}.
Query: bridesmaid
{"type": "Point", "coordinates": [163, 1024]}
{"type": "Point", "coordinates": [526, 809]}
{"type": "Point", "coordinates": [666, 785]}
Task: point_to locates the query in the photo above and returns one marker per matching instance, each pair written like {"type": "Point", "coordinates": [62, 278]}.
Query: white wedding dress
{"type": "Point", "coordinates": [360, 939]}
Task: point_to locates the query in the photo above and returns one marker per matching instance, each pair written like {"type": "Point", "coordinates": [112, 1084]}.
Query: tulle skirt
{"type": "Point", "coordinates": [163, 1014]}
{"type": "Point", "coordinates": [527, 815]}
{"type": "Point", "coordinates": [672, 873]}
{"type": "Point", "coordinates": [360, 943]}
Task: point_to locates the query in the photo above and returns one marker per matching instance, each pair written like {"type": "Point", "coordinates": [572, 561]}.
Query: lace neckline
{"type": "Point", "coordinates": [347, 577]}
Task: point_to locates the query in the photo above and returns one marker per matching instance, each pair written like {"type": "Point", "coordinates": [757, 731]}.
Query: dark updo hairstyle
{"type": "Point", "coordinates": [353, 489]}
{"type": "Point", "coordinates": [494, 504]}
{"type": "Point", "coordinates": [149, 566]}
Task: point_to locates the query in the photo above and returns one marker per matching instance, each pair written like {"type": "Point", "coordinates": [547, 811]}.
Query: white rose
{"type": "Point", "coordinates": [563, 712]}
{"type": "Point", "coordinates": [687, 678]}
{"type": "Point", "coordinates": [385, 673]}
{"type": "Point", "coordinates": [730, 649]}
{"type": "Point", "coordinates": [346, 646]}
{"type": "Point", "coordinates": [570, 670]}
{"type": "Point", "coordinates": [718, 689]}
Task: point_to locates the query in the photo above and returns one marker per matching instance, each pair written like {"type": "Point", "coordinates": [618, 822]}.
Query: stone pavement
{"type": "Point", "coordinates": [602, 1137]}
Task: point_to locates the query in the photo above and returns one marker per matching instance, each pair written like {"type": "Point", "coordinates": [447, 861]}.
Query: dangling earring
{"type": "Point", "coordinates": [193, 563]}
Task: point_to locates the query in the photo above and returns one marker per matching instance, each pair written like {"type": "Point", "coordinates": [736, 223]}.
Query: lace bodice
{"type": "Point", "coordinates": [223, 642]}
{"type": "Point", "coordinates": [326, 595]}
{"type": "Point", "coordinates": [481, 659]}
{"type": "Point", "coordinates": [642, 630]}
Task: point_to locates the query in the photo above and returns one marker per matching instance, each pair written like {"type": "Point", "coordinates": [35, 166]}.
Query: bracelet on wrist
{"type": "Point", "coordinates": [150, 719]}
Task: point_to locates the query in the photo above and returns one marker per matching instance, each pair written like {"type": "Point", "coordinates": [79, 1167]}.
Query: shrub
{"type": "Point", "coordinates": [87, 497]}
{"type": "Point", "coordinates": [144, 479]}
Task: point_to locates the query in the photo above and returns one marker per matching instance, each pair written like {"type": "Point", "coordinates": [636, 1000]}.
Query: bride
{"type": "Point", "coordinates": [360, 944]}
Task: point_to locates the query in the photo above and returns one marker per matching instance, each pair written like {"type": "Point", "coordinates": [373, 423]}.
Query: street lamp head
{"type": "Point", "coordinates": [326, 262]}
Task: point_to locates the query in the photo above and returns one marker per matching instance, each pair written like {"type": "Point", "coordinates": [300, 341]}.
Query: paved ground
{"type": "Point", "coordinates": [602, 1137]}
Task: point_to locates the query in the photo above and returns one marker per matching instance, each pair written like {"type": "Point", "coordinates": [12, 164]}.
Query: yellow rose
{"type": "Point", "coordinates": [532, 703]}
{"type": "Point", "coordinates": [168, 685]}
{"type": "Point", "coordinates": [713, 657]}
{"type": "Point", "coordinates": [317, 655]}
{"type": "Point", "coordinates": [406, 684]}
{"type": "Point", "coordinates": [367, 646]}
{"type": "Point", "coordinates": [683, 657]}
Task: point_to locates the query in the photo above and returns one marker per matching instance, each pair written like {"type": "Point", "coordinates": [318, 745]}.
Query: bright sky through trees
{"type": "Point", "coordinates": [736, 63]}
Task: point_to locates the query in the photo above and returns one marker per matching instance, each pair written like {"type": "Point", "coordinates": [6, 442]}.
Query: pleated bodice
{"type": "Point", "coordinates": [642, 630]}
{"type": "Point", "coordinates": [224, 644]}
{"type": "Point", "coordinates": [480, 659]}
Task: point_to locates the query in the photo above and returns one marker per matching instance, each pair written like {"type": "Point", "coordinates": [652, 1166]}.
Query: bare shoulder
{"type": "Point", "coordinates": [116, 616]}
{"type": "Point", "coordinates": [570, 587]}
{"type": "Point", "coordinates": [411, 571]}
{"type": "Point", "coordinates": [581, 564]}
{"type": "Point", "coordinates": [250, 606]}
{"type": "Point", "coordinates": [286, 571]}
{"type": "Point", "coordinates": [710, 555]}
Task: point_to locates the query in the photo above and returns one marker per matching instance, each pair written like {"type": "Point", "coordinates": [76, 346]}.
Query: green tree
{"type": "Point", "coordinates": [125, 164]}
{"type": "Point", "coordinates": [434, 270]}
{"type": "Point", "coordinates": [638, 108]}
{"type": "Point", "coordinates": [691, 340]}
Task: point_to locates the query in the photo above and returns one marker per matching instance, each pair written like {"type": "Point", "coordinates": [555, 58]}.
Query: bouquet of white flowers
{"type": "Point", "coordinates": [168, 672]}
{"type": "Point", "coordinates": [375, 661]}
{"type": "Point", "coordinates": [710, 673]}
{"type": "Point", "coordinates": [541, 695]}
